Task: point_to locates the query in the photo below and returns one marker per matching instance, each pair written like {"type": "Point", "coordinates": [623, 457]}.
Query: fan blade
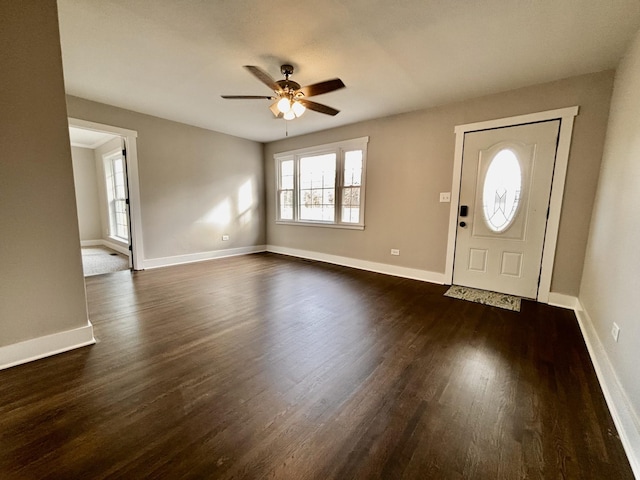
{"type": "Point", "coordinates": [274, 109]}
{"type": "Point", "coordinates": [246, 97]}
{"type": "Point", "coordinates": [318, 107]}
{"type": "Point", "coordinates": [263, 76]}
{"type": "Point", "coordinates": [322, 87]}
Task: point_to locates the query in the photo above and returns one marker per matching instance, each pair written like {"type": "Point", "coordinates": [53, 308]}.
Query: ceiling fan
{"type": "Point", "coordinates": [291, 98]}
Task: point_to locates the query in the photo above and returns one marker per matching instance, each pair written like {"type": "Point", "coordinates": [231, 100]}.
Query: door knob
{"type": "Point", "coordinates": [463, 224]}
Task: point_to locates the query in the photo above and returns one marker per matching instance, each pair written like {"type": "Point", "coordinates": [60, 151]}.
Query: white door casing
{"type": "Point", "coordinates": [505, 185]}
{"type": "Point", "coordinates": [135, 212]}
{"type": "Point", "coordinates": [566, 117]}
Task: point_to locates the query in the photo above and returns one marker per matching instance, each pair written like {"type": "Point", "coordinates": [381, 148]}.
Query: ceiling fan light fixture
{"type": "Point", "coordinates": [291, 100]}
{"type": "Point", "coordinates": [284, 105]}
{"type": "Point", "coordinates": [298, 109]}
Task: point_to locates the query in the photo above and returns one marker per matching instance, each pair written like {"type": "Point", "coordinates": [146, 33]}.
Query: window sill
{"type": "Point", "coordinates": [119, 240]}
{"type": "Point", "coordinates": [320, 224]}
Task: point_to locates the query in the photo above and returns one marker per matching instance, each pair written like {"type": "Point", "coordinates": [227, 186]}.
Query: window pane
{"type": "Point", "coordinates": [327, 196]}
{"type": "Point", "coordinates": [286, 168]}
{"type": "Point", "coordinates": [351, 205]}
{"type": "Point", "coordinates": [350, 215]}
{"type": "Point", "coordinates": [116, 193]}
{"type": "Point", "coordinates": [317, 187]}
{"type": "Point", "coordinates": [318, 171]}
{"type": "Point", "coordinates": [122, 232]}
{"type": "Point", "coordinates": [286, 175]}
{"type": "Point", "coordinates": [501, 191]}
{"type": "Point", "coordinates": [353, 168]}
{"type": "Point", "coordinates": [286, 205]}
{"type": "Point", "coordinates": [317, 204]}
{"type": "Point", "coordinates": [351, 196]}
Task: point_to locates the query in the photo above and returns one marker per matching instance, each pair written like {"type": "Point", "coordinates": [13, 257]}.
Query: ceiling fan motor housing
{"type": "Point", "coordinates": [286, 70]}
{"type": "Point", "coordinates": [288, 86]}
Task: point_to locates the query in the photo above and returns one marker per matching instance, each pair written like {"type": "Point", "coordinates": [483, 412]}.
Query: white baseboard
{"type": "Point", "coordinates": [201, 257]}
{"type": "Point", "coordinates": [396, 271]}
{"type": "Point", "coordinates": [118, 247]}
{"type": "Point", "coordinates": [562, 300]}
{"type": "Point", "coordinates": [106, 243]}
{"type": "Point", "coordinates": [40, 347]}
{"type": "Point", "coordinates": [91, 243]}
{"type": "Point", "coordinates": [624, 417]}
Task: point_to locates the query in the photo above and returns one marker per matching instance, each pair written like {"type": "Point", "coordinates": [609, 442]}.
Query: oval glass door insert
{"type": "Point", "coordinates": [501, 191]}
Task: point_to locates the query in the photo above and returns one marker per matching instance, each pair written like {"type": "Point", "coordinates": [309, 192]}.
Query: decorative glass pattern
{"type": "Point", "coordinates": [501, 191]}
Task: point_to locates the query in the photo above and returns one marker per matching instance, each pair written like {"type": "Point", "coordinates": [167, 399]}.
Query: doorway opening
{"type": "Point", "coordinates": [107, 197]}
{"type": "Point", "coordinates": [458, 220]}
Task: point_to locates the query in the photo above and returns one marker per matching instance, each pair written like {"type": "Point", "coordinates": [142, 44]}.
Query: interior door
{"type": "Point", "coordinates": [504, 199]}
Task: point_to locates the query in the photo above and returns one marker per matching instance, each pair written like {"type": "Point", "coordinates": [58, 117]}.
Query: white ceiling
{"type": "Point", "coordinates": [173, 59]}
{"type": "Point", "coordinates": [81, 137]}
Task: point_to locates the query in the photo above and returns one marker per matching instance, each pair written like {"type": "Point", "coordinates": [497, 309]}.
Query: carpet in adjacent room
{"type": "Point", "coordinates": [98, 260]}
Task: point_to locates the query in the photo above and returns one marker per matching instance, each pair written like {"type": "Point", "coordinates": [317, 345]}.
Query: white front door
{"type": "Point", "coordinates": [504, 199]}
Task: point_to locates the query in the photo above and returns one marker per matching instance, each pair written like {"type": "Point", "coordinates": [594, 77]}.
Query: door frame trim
{"type": "Point", "coordinates": [566, 117]}
{"type": "Point", "coordinates": [135, 211]}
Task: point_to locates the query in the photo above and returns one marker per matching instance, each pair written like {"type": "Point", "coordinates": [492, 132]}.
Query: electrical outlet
{"type": "Point", "coordinates": [225, 238]}
{"type": "Point", "coordinates": [395, 251]}
{"type": "Point", "coordinates": [615, 331]}
{"type": "Point", "coordinates": [445, 197]}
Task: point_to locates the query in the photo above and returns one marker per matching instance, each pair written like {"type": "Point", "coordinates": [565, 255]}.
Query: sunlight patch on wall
{"type": "Point", "coordinates": [219, 215]}
{"type": "Point", "coordinates": [245, 203]}
{"type": "Point", "coordinates": [245, 197]}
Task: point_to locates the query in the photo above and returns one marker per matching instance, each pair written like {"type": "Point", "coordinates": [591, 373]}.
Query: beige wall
{"type": "Point", "coordinates": [410, 161]}
{"type": "Point", "coordinates": [86, 187]}
{"type": "Point", "coordinates": [611, 281]}
{"type": "Point", "coordinates": [190, 183]}
{"type": "Point", "coordinates": [41, 284]}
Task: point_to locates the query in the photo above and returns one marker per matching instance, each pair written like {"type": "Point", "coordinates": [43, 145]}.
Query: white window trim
{"type": "Point", "coordinates": [339, 148]}
{"type": "Point", "coordinates": [107, 160]}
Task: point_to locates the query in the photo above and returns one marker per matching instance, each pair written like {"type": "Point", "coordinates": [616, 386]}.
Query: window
{"type": "Point", "coordinates": [501, 191]}
{"type": "Point", "coordinates": [116, 196]}
{"type": "Point", "coordinates": [322, 185]}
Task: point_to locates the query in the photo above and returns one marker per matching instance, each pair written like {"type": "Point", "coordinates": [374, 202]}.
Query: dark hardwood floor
{"type": "Point", "coordinates": [265, 366]}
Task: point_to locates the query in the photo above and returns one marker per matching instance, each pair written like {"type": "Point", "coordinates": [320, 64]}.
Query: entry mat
{"type": "Point", "coordinates": [500, 300]}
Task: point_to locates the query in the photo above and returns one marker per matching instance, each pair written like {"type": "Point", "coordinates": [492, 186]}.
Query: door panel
{"type": "Point", "coordinates": [506, 184]}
